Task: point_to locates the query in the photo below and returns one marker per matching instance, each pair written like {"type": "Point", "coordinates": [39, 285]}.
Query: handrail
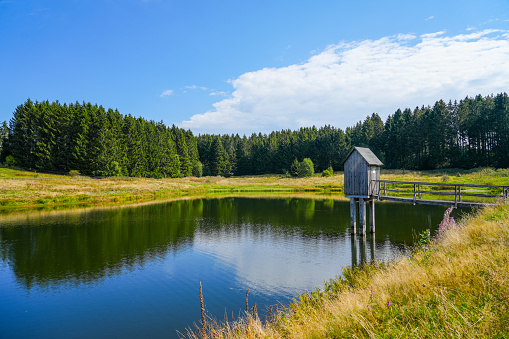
{"type": "Point", "coordinates": [458, 193]}
{"type": "Point", "coordinates": [438, 183]}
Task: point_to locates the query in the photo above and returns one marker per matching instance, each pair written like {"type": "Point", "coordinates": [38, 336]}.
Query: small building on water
{"type": "Point", "coordinates": [362, 167]}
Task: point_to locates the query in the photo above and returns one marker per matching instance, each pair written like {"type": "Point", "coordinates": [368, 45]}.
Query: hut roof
{"type": "Point", "coordinates": [367, 154]}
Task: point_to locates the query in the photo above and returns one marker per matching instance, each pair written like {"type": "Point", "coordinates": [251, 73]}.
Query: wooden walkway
{"type": "Point", "coordinates": [447, 194]}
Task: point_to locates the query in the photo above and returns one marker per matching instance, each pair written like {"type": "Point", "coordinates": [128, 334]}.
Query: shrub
{"type": "Point", "coordinates": [10, 161]}
{"type": "Point", "coordinates": [328, 172]}
{"type": "Point", "coordinates": [74, 173]}
{"type": "Point", "coordinates": [115, 169]}
{"type": "Point", "coordinates": [306, 168]}
{"type": "Point", "coordinates": [198, 169]}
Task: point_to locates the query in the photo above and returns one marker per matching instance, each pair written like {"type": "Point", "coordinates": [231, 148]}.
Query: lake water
{"type": "Point", "coordinates": [135, 271]}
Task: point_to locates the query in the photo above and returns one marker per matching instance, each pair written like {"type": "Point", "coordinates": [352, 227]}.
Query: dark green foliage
{"type": "Point", "coordinates": [10, 161]}
{"type": "Point", "coordinates": [94, 141]}
{"type": "Point", "coordinates": [294, 169]}
{"type": "Point", "coordinates": [197, 169]}
{"type": "Point", "coordinates": [328, 172]}
{"type": "Point", "coordinates": [4, 135]}
{"type": "Point", "coordinates": [186, 166]}
{"type": "Point", "coordinates": [473, 132]}
{"type": "Point", "coordinates": [220, 164]}
{"type": "Point", "coordinates": [306, 168]}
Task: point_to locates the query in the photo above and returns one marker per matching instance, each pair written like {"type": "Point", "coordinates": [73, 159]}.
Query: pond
{"type": "Point", "coordinates": [135, 271]}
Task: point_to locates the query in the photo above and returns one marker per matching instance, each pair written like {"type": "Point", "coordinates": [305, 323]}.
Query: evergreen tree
{"type": "Point", "coordinates": [4, 135]}
{"type": "Point", "coordinates": [221, 164]}
{"type": "Point", "coordinates": [186, 168]}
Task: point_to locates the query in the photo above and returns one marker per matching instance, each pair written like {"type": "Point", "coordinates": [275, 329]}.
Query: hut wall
{"type": "Point", "coordinates": [373, 174]}
{"type": "Point", "coordinates": [356, 175]}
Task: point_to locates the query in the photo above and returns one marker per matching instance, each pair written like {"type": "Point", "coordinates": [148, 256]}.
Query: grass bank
{"type": "Point", "coordinates": [455, 284]}
{"type": "Point", "coordinates": [23, 190]}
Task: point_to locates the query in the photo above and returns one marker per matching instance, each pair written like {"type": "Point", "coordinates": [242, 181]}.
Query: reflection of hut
{"type": "Point", "coordinates": [361, 167]}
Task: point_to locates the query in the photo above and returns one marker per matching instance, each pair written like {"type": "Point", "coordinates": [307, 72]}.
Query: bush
{"type": "Point", "coordinates": [306, 168]}
{"type": "Point", "coordinates": [74, 173]}
{"type": "Point", "coordinates": [197, 169]}
{"type": "Point", "coordinates": [328, 172]}
{"type": "Point", "coordinates": [115, 169]}
{"type": "Point", "coordinates": [10, 161]}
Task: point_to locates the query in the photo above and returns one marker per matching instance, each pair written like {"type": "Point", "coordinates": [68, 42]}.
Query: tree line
{"type": "Point", "coordinates": [473, 132]}
{"type": "Point", "coordinates": [92, 140]}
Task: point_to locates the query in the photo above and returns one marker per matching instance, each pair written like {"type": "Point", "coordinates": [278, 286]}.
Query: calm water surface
{"type": "Point", "coordinates": [135, 272]}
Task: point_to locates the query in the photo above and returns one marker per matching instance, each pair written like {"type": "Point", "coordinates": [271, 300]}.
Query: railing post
{"type": "Point", "coordinates": [455, 196]}
{"type": "Point", "coordinates": [459, 193]}
{"type": "Point", "coordinates": [419, 188]}
{"type": "Point", "coordinates": [385, 189]}
{"type": "Point", "coordinates": [415, 192]}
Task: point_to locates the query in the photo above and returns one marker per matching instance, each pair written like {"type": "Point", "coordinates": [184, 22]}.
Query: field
{"type": "Point", "coordinates": [24, 190]}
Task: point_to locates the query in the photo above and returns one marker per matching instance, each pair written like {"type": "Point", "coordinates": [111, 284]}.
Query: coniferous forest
{"type": "Point", "coordinates": [473, 132]}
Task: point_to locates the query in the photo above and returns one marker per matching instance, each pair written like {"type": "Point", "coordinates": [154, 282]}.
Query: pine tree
{"type": "Point", "coordinates": [221, 164]}
{"type": "Point", "coordinates": [182, 151]}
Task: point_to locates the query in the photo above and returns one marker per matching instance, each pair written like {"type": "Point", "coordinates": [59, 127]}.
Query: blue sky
{"type": "Point", "coordinates": [251, 66]}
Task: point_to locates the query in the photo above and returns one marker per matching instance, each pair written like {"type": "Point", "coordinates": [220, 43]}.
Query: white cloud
{"type": "Point", "coordinates": [430, 18]}
{"type": "Point", "coordinates": [166, 93]}
{"type": "Point", "coordinates": [220, 93]}
{"type": "Point", "coordinates": [197, 87]}
{"type": "Point", "coordinates": [348, 81]}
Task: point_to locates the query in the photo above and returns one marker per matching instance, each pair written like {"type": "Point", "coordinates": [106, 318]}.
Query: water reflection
{"type": "Point", "coordinates": [360, 245]}
{"type": "Point", "coordinates": [87, 246]}
{"type": "Point", "coordinates": [73, 248]}
{"type": "Point", "coordinates": [135, 271]}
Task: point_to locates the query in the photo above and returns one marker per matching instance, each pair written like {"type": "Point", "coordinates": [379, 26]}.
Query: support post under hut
{"type": "Point", "coordinates": [362, 168]}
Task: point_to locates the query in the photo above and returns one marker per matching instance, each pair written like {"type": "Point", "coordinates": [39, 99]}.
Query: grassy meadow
{"type": "Point", "coordinates": [24, 190]}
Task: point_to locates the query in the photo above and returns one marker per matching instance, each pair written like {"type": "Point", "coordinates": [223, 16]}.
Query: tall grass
{"type": "Point", "coordinates": [455, 284]}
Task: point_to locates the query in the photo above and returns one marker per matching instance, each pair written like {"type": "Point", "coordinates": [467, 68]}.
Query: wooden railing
{"type": "Point", "coordinates": [465, 195]}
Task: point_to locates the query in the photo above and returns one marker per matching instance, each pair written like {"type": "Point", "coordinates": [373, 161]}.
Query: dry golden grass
{"type": "Point", "coordinates": [22, 190]}
{"type": "Point", "coordinates": [26, 190]}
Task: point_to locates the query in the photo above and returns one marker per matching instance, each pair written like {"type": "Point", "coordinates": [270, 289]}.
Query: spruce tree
{"type": "Point", "coordinates": [221, 164]}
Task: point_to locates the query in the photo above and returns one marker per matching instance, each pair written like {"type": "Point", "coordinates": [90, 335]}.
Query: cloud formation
{"type": "Point", "coordinates": [348, 81]}
{"type": "Point", "coordinates": [166, 93]}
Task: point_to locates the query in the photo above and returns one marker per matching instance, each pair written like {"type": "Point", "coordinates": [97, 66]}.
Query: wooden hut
{"type": "Point", "coordinates": [361, 167]}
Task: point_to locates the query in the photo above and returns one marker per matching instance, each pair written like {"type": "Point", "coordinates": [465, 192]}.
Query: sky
{"type": "Point", "coordinates": [252, 66]}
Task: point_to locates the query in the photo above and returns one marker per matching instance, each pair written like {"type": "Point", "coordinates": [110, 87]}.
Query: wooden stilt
{"type": "Point", "coordinates": [353, 215]}
{"type": "Point", "coordinates": [373, 252]}
{"type": "Point", "coordinates": [362, 250]}
{"type": "Point", "coordinates": [362, 216]}
{"type": "Point", "coordinates": [354, 250]}
{"type": "Point", "coordinates": [372, 215]}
